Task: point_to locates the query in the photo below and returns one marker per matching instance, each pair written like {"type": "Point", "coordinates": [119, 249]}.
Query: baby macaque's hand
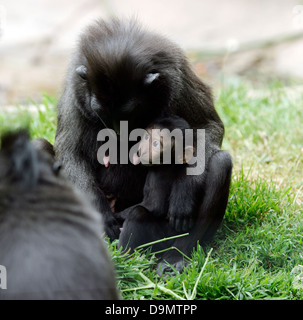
{"type": "Point", "coordinates": [181, 209]}
{"type": "Point", "coordinates": [111, 201]}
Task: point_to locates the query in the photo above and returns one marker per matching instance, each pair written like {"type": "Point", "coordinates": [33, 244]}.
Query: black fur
{"type": "Point", "coordinates": [136, 75]}
{"type": "Point", "coordinates": [50, 238]}
{"type": "Point", "coordinates": [160, 180]}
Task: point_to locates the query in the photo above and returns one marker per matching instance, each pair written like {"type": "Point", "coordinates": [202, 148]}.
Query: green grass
{"type": "Point", "coordinates": [264, 131]}
{"type": "Point", "coordinates": [41, 119]}
{"type": "Point", "coordinates": [258, 251]}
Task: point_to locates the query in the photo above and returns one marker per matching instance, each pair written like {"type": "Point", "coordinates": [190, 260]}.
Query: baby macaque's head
{"type": "Point", "coordinates": [164, 143]}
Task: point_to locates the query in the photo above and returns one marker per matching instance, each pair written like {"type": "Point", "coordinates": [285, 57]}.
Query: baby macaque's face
{"type": "Point", "coordinates": [154, 147]}
{"type": "Point", "coordinates": [155, 143]}
{"type": "Point", "coordinates": [150, 148]}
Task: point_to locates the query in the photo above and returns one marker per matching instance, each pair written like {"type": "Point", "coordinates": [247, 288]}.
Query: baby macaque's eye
{"type": "Point", "coordinates": [156, 143]}
{"type": "Point", "coordinates": [147, 136]}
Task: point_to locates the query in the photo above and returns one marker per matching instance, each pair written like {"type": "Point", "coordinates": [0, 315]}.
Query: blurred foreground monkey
{"type": "Point", "coordinates": [50, 238]}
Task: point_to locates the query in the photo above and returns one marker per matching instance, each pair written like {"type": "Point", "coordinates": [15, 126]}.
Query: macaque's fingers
{"type": "Point", "coordinates": [111, 201]}
{"type": "Point", "coordinates": [178, 225]}
{"type": "Point", "coordinates": [112, 204]}
{"type": "Point", "coordinates": [185, 225]}
{"type": "Point", "coordinates": [106, 161]}
{"type": "Point", "coordinates": [172, 221]}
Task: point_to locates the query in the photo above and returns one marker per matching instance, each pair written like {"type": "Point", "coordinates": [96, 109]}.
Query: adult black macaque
{"type": "Point", "coordinates": [50, 238]}
{"type": "Point", "coordinates": [121, 72]}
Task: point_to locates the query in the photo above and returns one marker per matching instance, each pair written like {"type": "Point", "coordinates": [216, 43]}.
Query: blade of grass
{"type": "Point", "coordinates": [162, 240]}
{"type": "Point", "coordinates": [194, 293]}
{"type": "Point", "coordinates": [160, 287]}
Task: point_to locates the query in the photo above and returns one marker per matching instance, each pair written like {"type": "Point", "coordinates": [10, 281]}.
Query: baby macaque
{"type": "Point", "coordinates": [163, 170]}
{"type": "Point", "coordinates": [159, 140]}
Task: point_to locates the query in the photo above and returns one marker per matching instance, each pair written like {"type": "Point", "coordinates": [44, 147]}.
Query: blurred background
{"type": "Point", "coordinates": [256, 41]}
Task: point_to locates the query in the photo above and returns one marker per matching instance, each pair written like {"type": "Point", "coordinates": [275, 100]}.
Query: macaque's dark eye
{"type": "Point", "coordinates": [156, 144]}
{"type": "Point", "coordinates": [57, 166]}
{"type": "Point", "coordinates": [147, 136]}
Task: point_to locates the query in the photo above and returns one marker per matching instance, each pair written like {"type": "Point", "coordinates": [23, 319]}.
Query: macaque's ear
{"type": "Point", "coordinates": [188, 154]}
{"type": "Point", "coordinates": [150, 78]}
{"type": "Point", "coordinates": [57, 166]}
{"type": "Point", "coordinates": [82, 72]}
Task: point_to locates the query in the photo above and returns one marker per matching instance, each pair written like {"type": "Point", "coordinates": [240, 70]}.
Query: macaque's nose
{"type": "Point", "coordinates": [139, 152]}
{"type": "Point", "coordinates": [136, 158]}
